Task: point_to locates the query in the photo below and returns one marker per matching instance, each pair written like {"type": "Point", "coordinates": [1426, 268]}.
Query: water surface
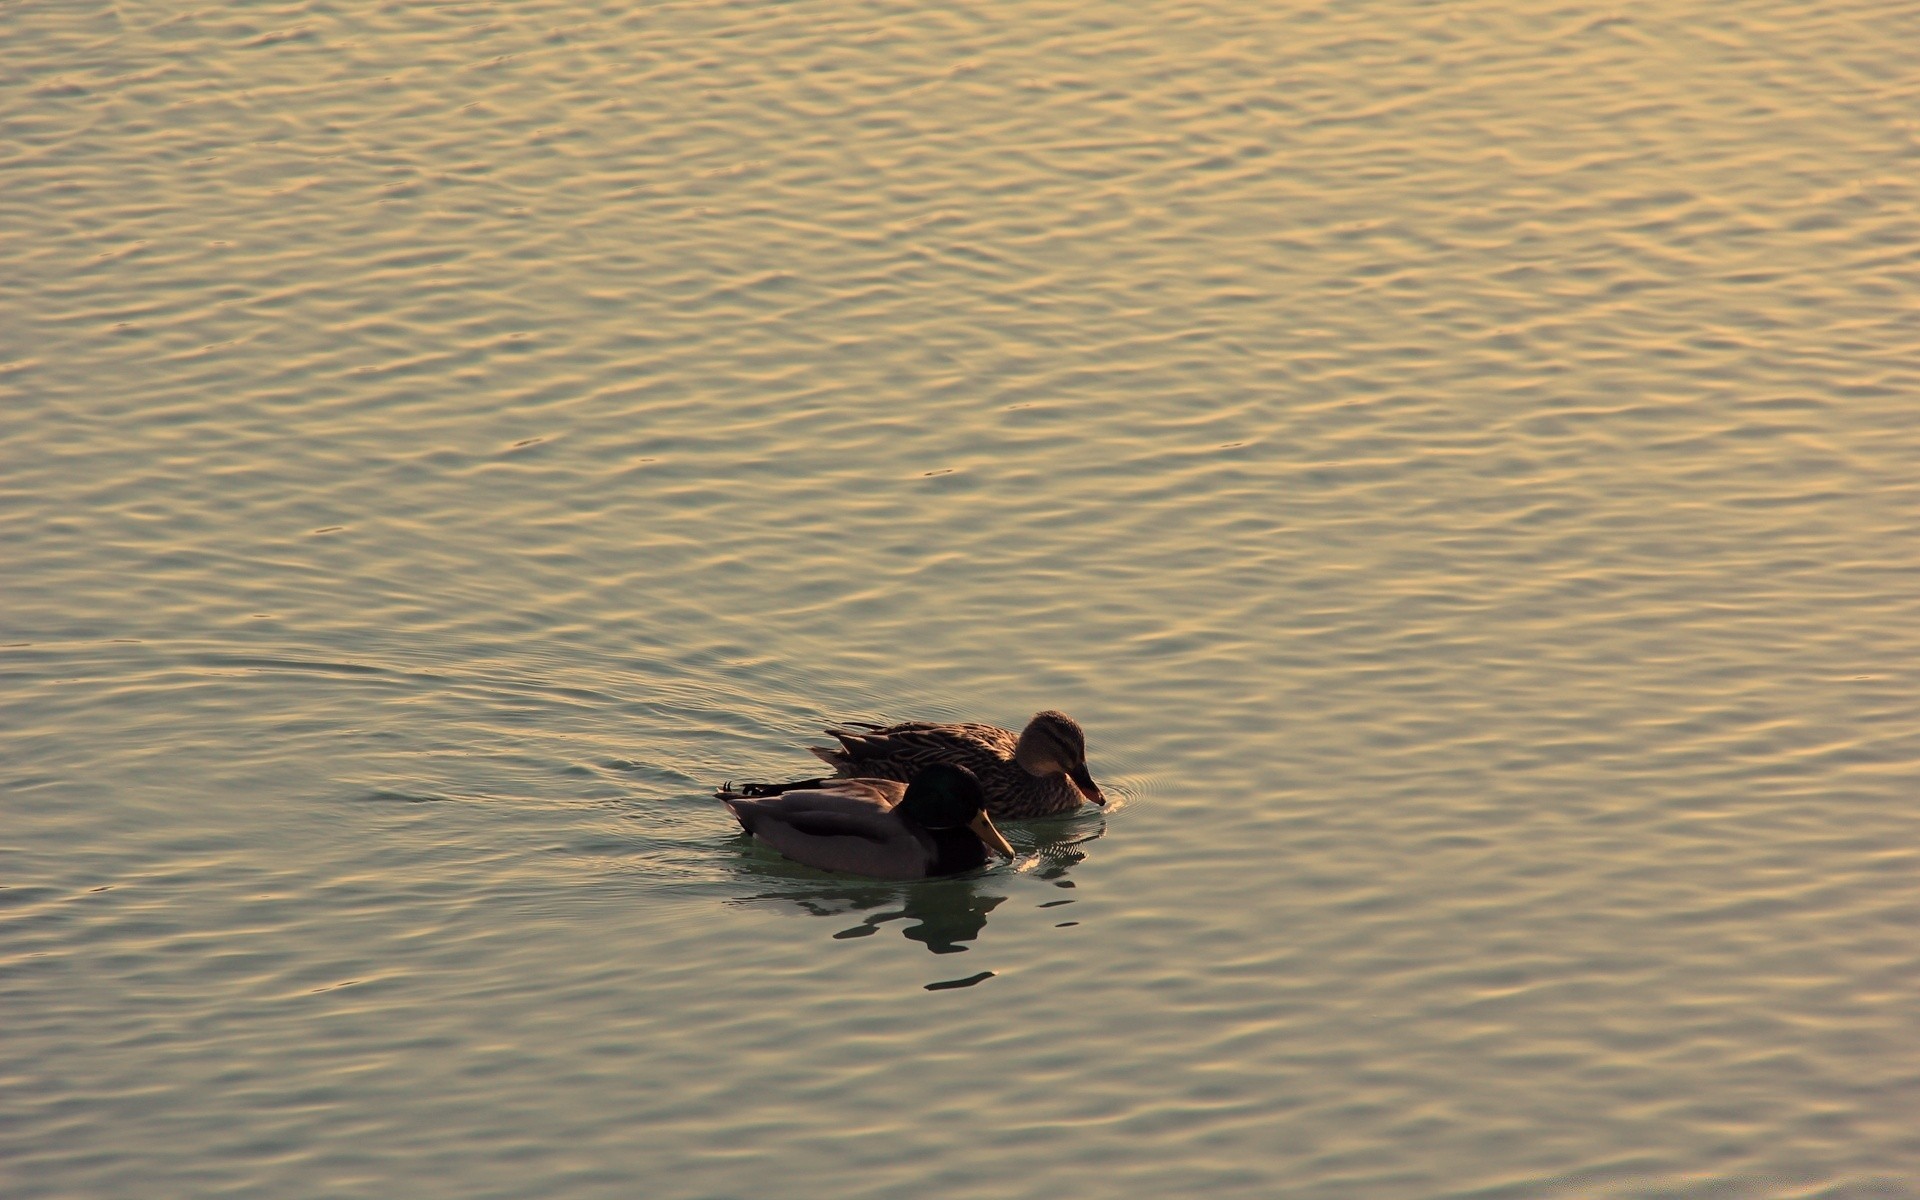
{"type": "Point", "coordinates": [1457, 461]}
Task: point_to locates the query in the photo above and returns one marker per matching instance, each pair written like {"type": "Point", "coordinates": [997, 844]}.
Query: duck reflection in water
{"type": "Point", "coordinates": [944, 915]}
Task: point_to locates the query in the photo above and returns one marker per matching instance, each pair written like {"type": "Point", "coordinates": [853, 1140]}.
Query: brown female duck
{"type": "Point", "coordinates": [1037, 773]}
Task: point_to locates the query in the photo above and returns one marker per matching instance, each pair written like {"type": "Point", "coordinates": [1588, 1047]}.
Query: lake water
{"type": "Point", "coordinates": [1461, 463]}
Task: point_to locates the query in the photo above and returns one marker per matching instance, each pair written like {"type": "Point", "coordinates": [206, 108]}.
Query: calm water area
{"type": "Point", "coordinates": [1459, 461]}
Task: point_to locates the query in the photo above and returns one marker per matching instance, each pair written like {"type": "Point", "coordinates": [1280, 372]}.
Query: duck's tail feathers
{"type": "Point", "coordinates": [758, 791]}
{"type": "Point", "coordinates": [852, 734]}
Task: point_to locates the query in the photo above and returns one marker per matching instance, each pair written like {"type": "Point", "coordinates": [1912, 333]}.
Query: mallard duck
{"type": "Point", "coordinates": [1040, 772]}
{"type": "Point", "coordinates": [935, 825]}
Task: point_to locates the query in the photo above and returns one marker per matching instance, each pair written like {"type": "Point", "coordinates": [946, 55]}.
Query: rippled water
{"type": "Point", "coordinates": [1459, 462]}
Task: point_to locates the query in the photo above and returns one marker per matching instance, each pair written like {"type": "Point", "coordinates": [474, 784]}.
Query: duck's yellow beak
{"type": "Point", "coordinates": [983, 825]}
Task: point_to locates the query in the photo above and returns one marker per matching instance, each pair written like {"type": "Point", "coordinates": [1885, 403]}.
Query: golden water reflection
{"type": "Point", "coordinates": [945, 915]}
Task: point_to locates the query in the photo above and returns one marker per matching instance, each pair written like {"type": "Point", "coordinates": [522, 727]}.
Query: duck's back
{"type": "Point", "coordinates": [846, 825]}
{"type": "Point", "coordinates": [899, 751]}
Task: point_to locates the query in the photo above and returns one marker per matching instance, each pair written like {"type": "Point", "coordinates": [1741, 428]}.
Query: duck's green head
{"type": "Point", "coordinates": [945, 796]}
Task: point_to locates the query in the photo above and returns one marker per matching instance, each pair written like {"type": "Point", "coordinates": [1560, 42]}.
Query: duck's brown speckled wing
{"type": "Point", "coordinates": [898, 751]}
{"type": "Point", "coordinates": [901, 751]}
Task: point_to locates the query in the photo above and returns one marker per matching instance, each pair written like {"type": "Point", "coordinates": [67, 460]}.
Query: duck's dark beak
{"type": "Point", "coordinates": [983, 825]}
{"type": "Point", "coordinates": [1085, 783]}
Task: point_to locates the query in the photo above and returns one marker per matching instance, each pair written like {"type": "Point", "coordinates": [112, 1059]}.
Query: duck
{"type": "Point", "coordinates": [936, 824]}
{"type": "Point", "coordinates": [1039, 772]}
